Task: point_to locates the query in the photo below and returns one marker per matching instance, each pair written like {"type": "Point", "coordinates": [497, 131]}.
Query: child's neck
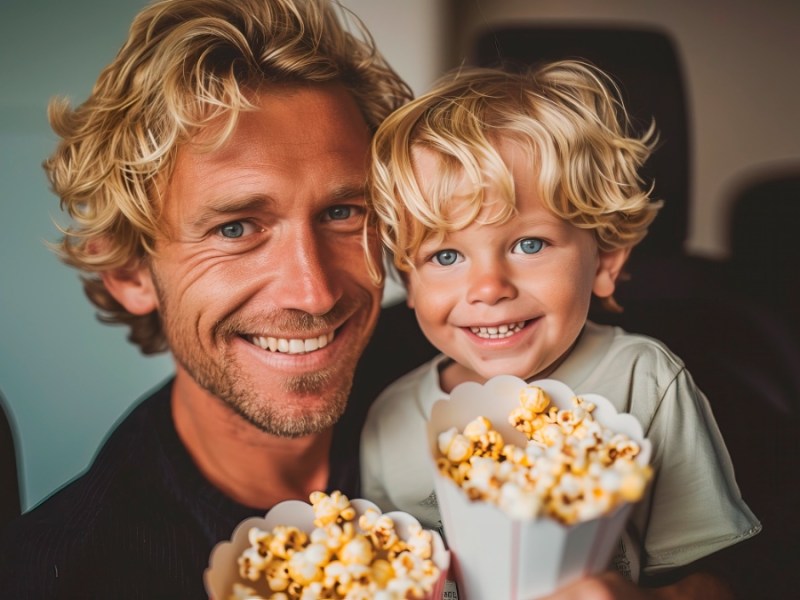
{"type": "Point", "coordinates": [452, 373]}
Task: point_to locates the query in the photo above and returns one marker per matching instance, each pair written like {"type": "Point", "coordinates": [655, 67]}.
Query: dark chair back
{"type": "Point", "coordinates": [765, 255]}
{"type": "Point", "coordinates": [646, 66]}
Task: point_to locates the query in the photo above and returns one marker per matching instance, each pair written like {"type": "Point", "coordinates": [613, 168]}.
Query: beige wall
{"type": "Point", "coordinates": [410, 33]}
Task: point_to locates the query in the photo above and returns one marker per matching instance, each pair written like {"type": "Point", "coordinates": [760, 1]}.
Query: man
{"type": "Point", "coordinates": [215, 177]}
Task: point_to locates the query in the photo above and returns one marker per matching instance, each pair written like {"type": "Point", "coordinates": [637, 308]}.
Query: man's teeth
{"type": "Point", "coordinates": [293, 345]}
{"type": "Point", "coordinates": [501, 331]}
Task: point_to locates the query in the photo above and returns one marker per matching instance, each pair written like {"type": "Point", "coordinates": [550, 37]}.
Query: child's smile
{"type": "Point", "coordinates": [497, 332]}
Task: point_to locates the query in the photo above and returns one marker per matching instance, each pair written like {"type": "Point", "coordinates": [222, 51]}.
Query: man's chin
{"type": "Point", "coordinates": [283, 405]}
{"type": "Point", "coordinates": [293, 414]}
{"type": "Point", "coordinates": [297, 420]}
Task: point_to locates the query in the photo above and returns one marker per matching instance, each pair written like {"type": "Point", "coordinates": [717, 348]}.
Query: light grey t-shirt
{"type": "Point", "coordinates": [693, 506]}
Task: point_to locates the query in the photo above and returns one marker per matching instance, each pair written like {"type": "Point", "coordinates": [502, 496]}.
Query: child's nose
{"type": "Point", "coordinates": [490, 284]}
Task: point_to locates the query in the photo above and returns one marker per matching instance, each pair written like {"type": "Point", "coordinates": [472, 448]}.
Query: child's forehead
{"type": "Point", "coordinates": [456, 192]}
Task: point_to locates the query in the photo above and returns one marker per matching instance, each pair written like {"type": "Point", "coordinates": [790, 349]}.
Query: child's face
{"type": "Point", "coordinates": [508, 298]}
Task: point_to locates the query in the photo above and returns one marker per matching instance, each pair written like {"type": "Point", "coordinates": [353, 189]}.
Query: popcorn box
{"type": "Point", "coordinates": [223, 569]}
{"type": "Point", "coordinates": [494, 555]}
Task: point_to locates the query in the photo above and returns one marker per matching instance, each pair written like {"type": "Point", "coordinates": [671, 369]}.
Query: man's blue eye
{"type": "Point", "coordinates": [339, 213]}
{"type": "Point", "coordinates": [530, 245]}
{"type": "Point", "coordinates": [232, 230]}
{"type": "Point", "coordinates": [445, 257]}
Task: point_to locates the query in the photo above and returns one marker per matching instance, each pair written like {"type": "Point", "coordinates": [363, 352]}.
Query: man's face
{"type": "Point", "coordinates": [261, 284]}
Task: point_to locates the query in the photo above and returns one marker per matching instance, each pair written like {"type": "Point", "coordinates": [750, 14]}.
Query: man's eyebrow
{"type": "Point", "coordinates": [230, 206]}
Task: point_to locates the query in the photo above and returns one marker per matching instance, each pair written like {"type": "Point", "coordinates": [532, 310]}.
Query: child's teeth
{"type": "Point", "coordinates": [501, 331]}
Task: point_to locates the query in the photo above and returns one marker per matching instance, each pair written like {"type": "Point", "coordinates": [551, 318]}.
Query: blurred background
{"type": "Point", "coordinates": [722, 73]}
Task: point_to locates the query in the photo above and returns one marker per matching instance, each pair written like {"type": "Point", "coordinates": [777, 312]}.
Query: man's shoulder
{"type": "Point", "coordinates": [122, 468]}
{"type": "Point", "coordinates": [112, 515]}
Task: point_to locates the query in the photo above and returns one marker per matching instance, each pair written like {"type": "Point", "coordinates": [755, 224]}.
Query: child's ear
{"type": "Point", "coordinates": [608, 269]}
{"type": "Point", "coordinates": [132, 287]}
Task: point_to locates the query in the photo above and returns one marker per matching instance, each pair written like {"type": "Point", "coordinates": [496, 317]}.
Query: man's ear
{"type": "Point", "coordinates": [608, 270]}
{"type": "Point", "coordinates": [132, 287]}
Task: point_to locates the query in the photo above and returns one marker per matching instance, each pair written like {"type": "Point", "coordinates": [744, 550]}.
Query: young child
{"type": "Point", "coordinates": [506, 201]}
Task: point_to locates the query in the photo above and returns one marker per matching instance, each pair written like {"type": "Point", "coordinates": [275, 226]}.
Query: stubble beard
{"type": "Point", "coordinates": [271, 411]}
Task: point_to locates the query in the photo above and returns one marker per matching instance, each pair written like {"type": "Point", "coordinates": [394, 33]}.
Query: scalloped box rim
{"type": "Point", "coordinates": [223, 571]}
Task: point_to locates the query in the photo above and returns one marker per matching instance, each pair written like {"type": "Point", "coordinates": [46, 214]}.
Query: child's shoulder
{"type": "Point", "coordinates": [637, 373]}
{"type": "Point", "coordinates": [615, 343]}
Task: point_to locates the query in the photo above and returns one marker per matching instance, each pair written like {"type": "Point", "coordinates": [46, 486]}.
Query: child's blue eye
{"type": "Point", "coordinates": [446, 257]}
{"type": "Point", "coordinates": [529, 245]}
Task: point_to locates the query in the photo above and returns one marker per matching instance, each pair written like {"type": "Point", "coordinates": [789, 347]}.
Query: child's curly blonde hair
{"type": "Point", "coordinates": [566, 115]}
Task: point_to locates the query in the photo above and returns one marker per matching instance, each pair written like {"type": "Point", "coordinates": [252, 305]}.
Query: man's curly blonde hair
{"type": "Point", "coordinates": [188, 64]}
{"type": "Point", "coordinates": [569, 118]}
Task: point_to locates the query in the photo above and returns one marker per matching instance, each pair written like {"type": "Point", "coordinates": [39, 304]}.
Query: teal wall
{"type": "Point", "coordinates": [65, 377]}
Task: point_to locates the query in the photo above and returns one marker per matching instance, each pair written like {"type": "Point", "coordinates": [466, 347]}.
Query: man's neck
{"type": "Point", "coordinates": [250, 466]}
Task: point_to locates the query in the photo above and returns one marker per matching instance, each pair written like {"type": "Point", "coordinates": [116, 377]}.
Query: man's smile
{"type": "Point", "coordinates": [292, 345]}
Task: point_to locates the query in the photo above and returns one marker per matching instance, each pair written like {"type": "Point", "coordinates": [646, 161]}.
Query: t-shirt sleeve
{"type": "Point", "coordinates": [695, 505]}
{"type": "Point", "coordinates": [372, 484]}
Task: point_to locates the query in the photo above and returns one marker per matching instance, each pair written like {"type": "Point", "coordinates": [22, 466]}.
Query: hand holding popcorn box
{"type": "Point", "coordinates": [534, 484]}
{"type": "Point", "coordinates": [332, 548]}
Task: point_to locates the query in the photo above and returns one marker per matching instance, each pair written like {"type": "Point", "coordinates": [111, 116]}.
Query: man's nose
{"type": "Point", "coordinates": [490, 282]}
{"type": "Point", "coordinates": [305, 277]}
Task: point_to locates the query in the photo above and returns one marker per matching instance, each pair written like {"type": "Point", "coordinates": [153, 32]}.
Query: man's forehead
{"type": "Point", "coordinates": [302, 141]}
{"type": "Point", "coordinates": [285, 122]}
{"type": "Point", "coordinates": [277, 105]}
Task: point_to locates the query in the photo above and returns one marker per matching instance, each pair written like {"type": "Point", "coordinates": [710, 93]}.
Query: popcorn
{"type": "Point", "coordinates": [381, 530]}
{"type": "Point", "coordinates": [331, 509]}
{"type": "Point", "coordinates": [420, 541]}
{"type": "Point", "coordinates": [533, 398]}
{"type": "Point", "coordinates": [277, 575]}
{"type": "Point", "coordinates": [347, 555]}
{"type": "Point", "coordinates": [541, 498]}
{"type": "Point", "coordinates": [455, 446]}
{"type": "Point", "coordinates": [252, 563]}
{"type": "Point", "coordinates": [358, 551]}
{"type": "Point", "coordinates": [572, 468]}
